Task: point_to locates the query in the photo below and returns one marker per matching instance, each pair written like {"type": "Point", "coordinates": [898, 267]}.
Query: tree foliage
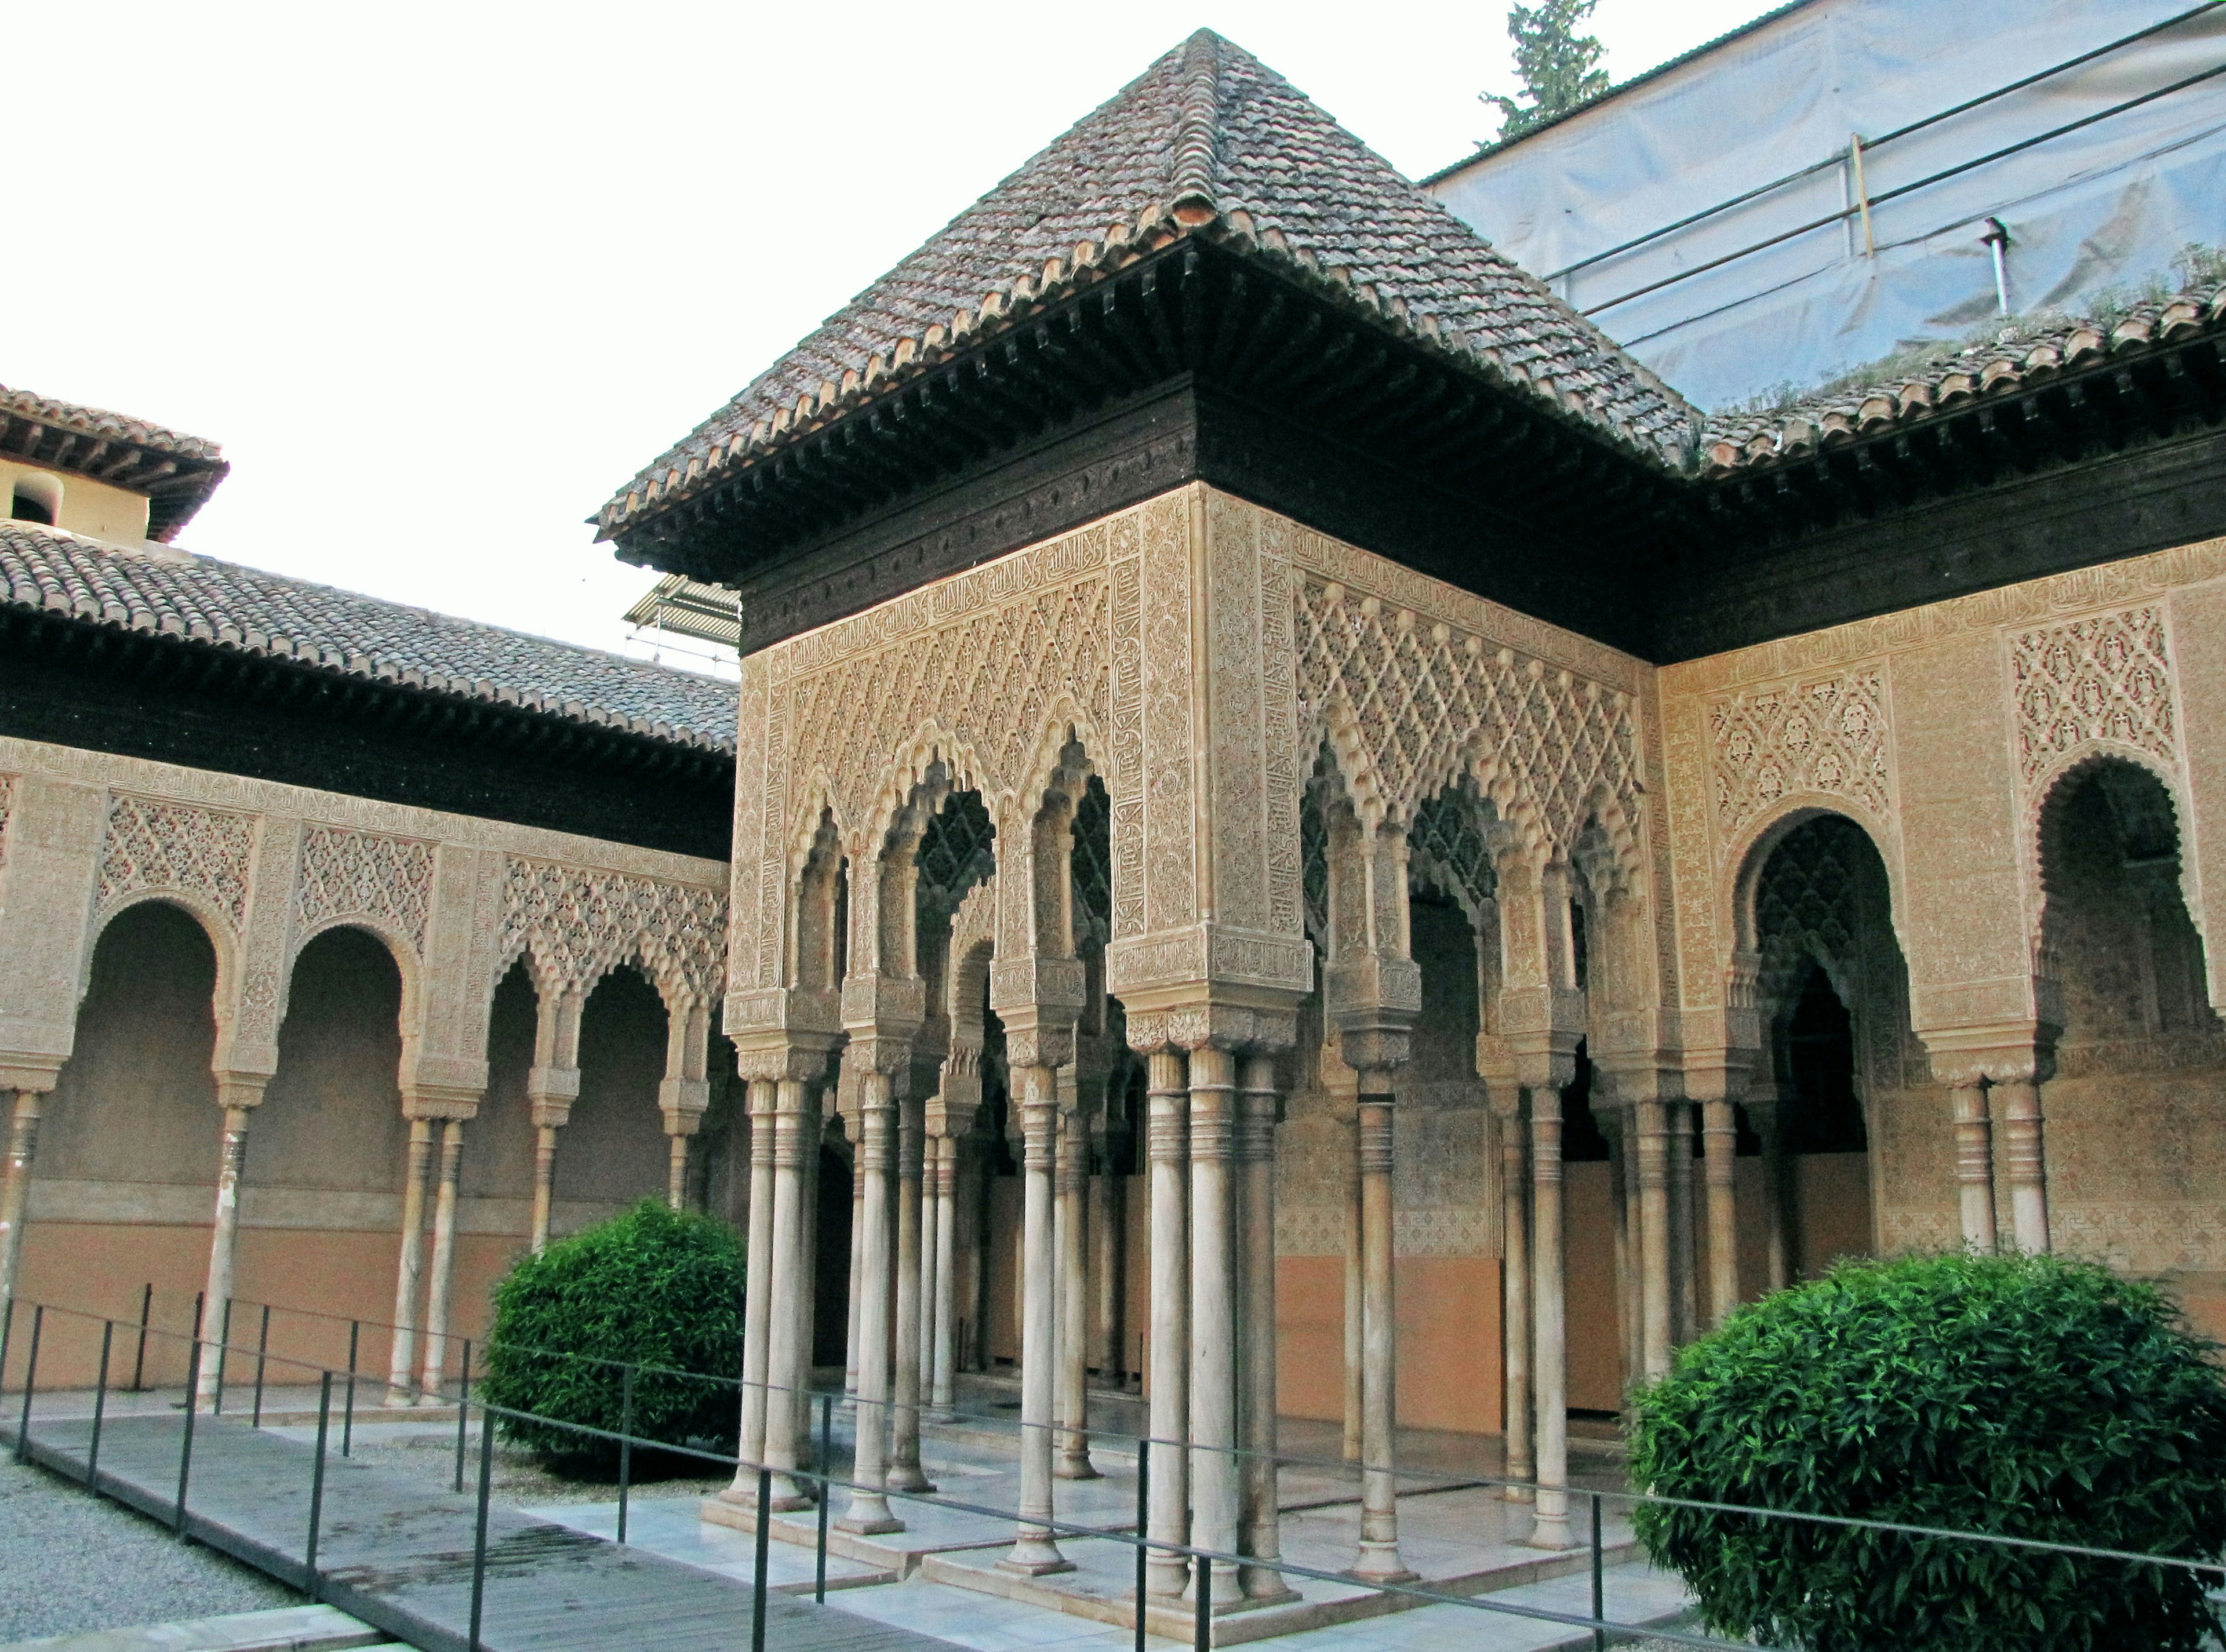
{"type": "Point", "coordinates": [651, 1287]}
{"type": "Point", "coordinates": [1559, 67]}
{"type": "Point", "coordinates": [2025, 1396]}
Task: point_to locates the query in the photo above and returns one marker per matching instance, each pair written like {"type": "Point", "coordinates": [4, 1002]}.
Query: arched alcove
{"type": "Point", "coordinates": [614, 1151]}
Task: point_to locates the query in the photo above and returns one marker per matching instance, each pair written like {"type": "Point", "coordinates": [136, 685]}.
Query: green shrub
{"type": "Point", "coordinates": [651, 1287]}
{"type": "Point", "coordinates": [2026, 1396]}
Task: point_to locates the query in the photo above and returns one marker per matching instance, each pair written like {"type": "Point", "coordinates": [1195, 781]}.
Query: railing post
{"type": "Point", "coordinates": [1143, 1516]}
{"type": "Point", "coordinates": [1599, 1595]}
{"type": "Point", "coordinates": [262, 1360]}
{"type": "Point", "coordinates": [1201, 1623]}
{"type": "Point", "coordinates": [625, 1444]}
{"type": "Point", "coordinates": [309, 1587]}
{"type": "Point", "coordinates": [99, 1406]}
{"type": "Point", "coordinates": [193, 1404]}
{"type": "Point", "coordinates": [463, 1411]}
{"type": "Point", "coordinates": [348, 1416]}
{"type": "Point", "coordinates": [479, 1532]}
{"type": "Point", "coordinates": [30, 1381]}
{"type": "Point", "coordinates": [7, 1329]}
{"type": "Point", "coordinates": [223, 1357]}
{"type": "Point", "coordinates": [758, 1591]}
{"type": "Point", "coordinates": [826, 1493]}
{"type": "Point", "coordinates": [139, 1360]}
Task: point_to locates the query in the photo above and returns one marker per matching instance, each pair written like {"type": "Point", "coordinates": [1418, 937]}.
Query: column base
{"type": "Point", "coordinates": [1035, 1557]}
{"type": "Point", "coordinates": [908, 1477]}
{"type": "Point", "coordinates": [1549, 1532]}
{"type": "Point", "coordinates": [1166, 1579]}
{"type": "Point", "coordinates": [1263, 1587]}
{"type": "Point", "coordinates": [864, 1521]}
{"type": "Point", "coordinates": [1517, 1494]}
{"type": "Point", "coordinates": [1380, 1563]}
{"type": "Point", "coordinates": [1075, 1468]}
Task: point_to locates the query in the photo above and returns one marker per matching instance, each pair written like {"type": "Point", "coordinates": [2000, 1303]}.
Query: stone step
{"type": "Point", "coordinates": [286, 1629]}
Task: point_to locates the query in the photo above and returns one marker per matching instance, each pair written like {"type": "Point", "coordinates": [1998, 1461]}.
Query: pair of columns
{"type": "Point", "coordinates": [784, 1112]}
{"type": "Point", "coordinates": [2020, 1149]}
{"type": "Point", "coordinates": [1535, 1315]}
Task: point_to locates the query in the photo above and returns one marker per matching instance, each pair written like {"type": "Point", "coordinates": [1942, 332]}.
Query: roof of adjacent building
{"type": "Point", "coordinates": [174, 592]}
{"type": "Point", "coordinates": [2027, 358]}
{"type": "Point", "coordinates": [1207, 142]}
{"type": "Point", "coordinates": [176, 472]}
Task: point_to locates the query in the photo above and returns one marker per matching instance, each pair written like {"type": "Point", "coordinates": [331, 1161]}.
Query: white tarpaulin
{"type": "Point", "coordinates": [2110, 204]}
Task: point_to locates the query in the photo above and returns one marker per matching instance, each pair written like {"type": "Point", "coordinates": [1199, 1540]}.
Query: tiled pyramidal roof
{"type": "Point", "coordinates": [1742, 443]}
{"type": "Point", "coordinates": [1210, 142]}
{"type": "Point", "coordinates": [177, 472]}
{"type": "Point", "coordinates": [175, 594]}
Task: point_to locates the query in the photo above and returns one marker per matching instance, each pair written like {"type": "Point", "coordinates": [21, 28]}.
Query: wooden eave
{"type": "Point", "coordinates": [175, 487]}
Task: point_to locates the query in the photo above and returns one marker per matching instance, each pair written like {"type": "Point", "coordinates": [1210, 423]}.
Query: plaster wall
{"type": "Point", "coordinates": [90, 507]}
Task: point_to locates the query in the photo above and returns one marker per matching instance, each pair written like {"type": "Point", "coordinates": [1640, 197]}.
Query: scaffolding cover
{"type": "Point", "coordinates": [2110, 204]}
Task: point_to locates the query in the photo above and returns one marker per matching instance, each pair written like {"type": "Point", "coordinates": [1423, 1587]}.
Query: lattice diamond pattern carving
{"type": "Point", "coordinates": [2108, 676]}
{"type": "Point", "coordinates": [152, 845]}
{"type": "Point", "coordinates": [1444, 846]}
{"type": "Point", "coordinates": [1425, 697]}
{"type": "Point", "coordinates": [1826, 736]}
{"type": "Point", "coordinates": [579, 925]}
{"type": "Point", "coordinates": [363, 875]}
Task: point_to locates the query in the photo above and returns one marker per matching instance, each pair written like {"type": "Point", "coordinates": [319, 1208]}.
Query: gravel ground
{"type": "Point", "coordinates": [74, 1562]}
{"type": "Point", "coordinates": [517, 1479]}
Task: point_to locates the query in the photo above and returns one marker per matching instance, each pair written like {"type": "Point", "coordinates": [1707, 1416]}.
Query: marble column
{"type": "Point", "coordinates": [1515, 1271]}
{"type": "Point", "coordinates": [545, 1175]}
{"type": "Point", "coordinates": [1720, 1142]}
{"type": "Point", "coordinates": [1261, 1515]}
{"type": "Point", "coordinates": [1213, 1468]}
{"type": "Point", "coordinates": [795, 1128]}
{"type": "Point", "coordinates": [1974, 1162]}
{"type": "Point", "coordinates": [1550, 1526]}
{"type": "Point", "coordinates": [905, 1474]}
{"type": "Point", "coordinates": [1650, 1124]}
{"type": "Point", "coordinates": [857, 1273]}
{"type": "Point", "coordinates": [551, 1086]}
{"type": "Point", "coordinates": [1379, 1561]}
{"type": "Point", "coordinates": [1167, 1378]}
{"type": "Point", "coordinates": [1623, 1190]}
{"type": "Point", "coordinates": [869, 1514]}
{"type": "Point", "coordinates": [2027, 1159]}
{"type": "Point", "coordinates": [1071, 1194]}
{"type": "Point", "coordinates": [1034, 1552]}
{"type": "Point", "coordinates": [444, 1261]}
{"type": "Point", "coordinates": [224, 1243]}
{"type": "Point", "coordinates": [1777, 1250]}
{"type": "Point", "coordinates": [757, 1288]}
{"type": "Point", "coordinates": [409, 1270]}
{"type": "Point", "coordinates": [15, 1191]}
{"type": "Point", "coordinates": [1349, 1192]}
{"type": "Point", "coordinates": [941, 1393]}
{"type": "Point", "coordinates": [931, 1240]}
{"type": "Point", "coordinates": [1684, 1260]}
{"type": "Point", "coordinates": [676, 1173]}
{"type": "Point", "coordinates": [1102, 1220]}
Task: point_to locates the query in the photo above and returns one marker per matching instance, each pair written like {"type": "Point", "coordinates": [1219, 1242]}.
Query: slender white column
{"type": "Point", "coordinates": [1379, 1561]}
{"type": "Point", "coordinates": [2028, 1170]}
{"type": "Point", "coordinates": [676, 1173]}
{"type": "Point", "coordinates": [757, 1286]}
{"type": "Point", "coordinates": [1550, 1527]}
{"type": "Point", "coordinates": [444, 1261]}
{"type": "Point", "coordinates": [551, 1087]}
{"type": "Point", "coordinates": [1719, 1139]}
{"type": "Point", "coordinates": [1622, 1189]}
{"type": "Point", "coordinates": [795, 1133]}
{"type": "Point", "coordinates": [1071, 1195]}
{"type": "Point", "coordinates": [805, 1306]}
{"type": "Point", "coordinates": [1349, 1192]}
{"type": "Point", "coordinates": [1651, 1125]}
{"type": "Point", "coordinates": [1975, 1164]}
{"type": "Point", "coordinates": [1777, 1253]}
{"type": "Point", "coordinates": [1102, 1222]}
{"type": "Point", "coordinates": [1034, 1552]}
{"type": "Point", "coordinates": [1684, 1260]}
{"type": "Point", "coordinates": [930, 1243]}
{"type": "Point", "coordinates": [1261, 1536]}
{"type": "Point", "coordinates": [905, 1473]}
{"type": "Point", "coordinates": [942, 1395]}
{"type": "Point", "coordinates": [408, 1271]}
{"type": "Point", "coordinates": [224, 1239]}
{"type": "Point", "coordinates": [1515, 1271]}
{"type": "Point", "coordinates": [869, 1512]}
{"type": "Point", "coordinates": [1213, 1470]}
{"type": "Point", "coordinates": [1168, 1380]}
{"type": "Point", "coordinates": [544, 1171]}
{"type": "Point", "coordinates": [15, 1191]}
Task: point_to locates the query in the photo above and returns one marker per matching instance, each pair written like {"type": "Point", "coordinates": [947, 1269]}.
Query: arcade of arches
{"type": "Point", "coordinates": [1194, 956]}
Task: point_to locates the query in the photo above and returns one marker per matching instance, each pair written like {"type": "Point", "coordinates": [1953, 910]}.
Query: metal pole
{"type": "Point", "coordinates": [826, 1492]}
{"type": "Point", "coordinates": [625, 1444]}
{"type": "Point", "coordinates": [186, 1450]}
{"type": "Point", "coordinates": [463, 1411]}
{"type": "Point", "coordinates": [479, 1533]}
{"type": "Point", "coordinates": [139, 1361]}
{"type": "Point", "coordinates": [262, 1360]}
{"type": "Point", "coordinates": [1201, 1623]}
{"type": "Point", "coordinates": [7, 1329]}
{"type": "Point", "coordinates": [1599, 1598]}
{"type": "Point", "coordinates": [223, 1357]}
{"type": "Point", "coordinates": [317, 1487]}
{"type": "Point", "coordinates": [30, 1381]}
{"type": "Point", "coordinates": [348, 1416]}
{"type": "Point", "coordinates": [758, 1594]}
{"type": "Point", "coordinates": [1143, 1515]}
{"type": "Point", "coordinates": [99, 1406]}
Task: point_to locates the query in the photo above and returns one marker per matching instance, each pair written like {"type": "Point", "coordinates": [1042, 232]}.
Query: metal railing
{"type": "Point", "coordinates": [1197, 1559]}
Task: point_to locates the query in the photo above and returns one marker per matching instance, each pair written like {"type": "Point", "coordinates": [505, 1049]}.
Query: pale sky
{"type": "Point", "coordinates": [439, 277]}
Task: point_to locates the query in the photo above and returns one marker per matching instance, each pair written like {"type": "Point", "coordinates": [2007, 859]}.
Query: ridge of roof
{"type": "Point", "coordinates": [169, 591]}
{"type": "Point", "coordinates": [1208, 143]}
{"type": "Point", "coordinates": [1742, 443]}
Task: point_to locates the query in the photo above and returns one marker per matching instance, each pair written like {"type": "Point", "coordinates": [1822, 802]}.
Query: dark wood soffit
{"type": "Point", "coordinates": [172, 700]}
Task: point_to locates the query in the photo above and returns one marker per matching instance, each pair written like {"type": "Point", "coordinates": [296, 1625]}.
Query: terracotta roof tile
{"type": "Point", "coordinates": [176, 472]}
{"type": "Point", "coordinates": [175, 594]}
{"type": "Point", "coordinates": [1207, 141]}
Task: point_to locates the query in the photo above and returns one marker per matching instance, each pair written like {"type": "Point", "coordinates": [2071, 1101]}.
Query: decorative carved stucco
{"type": "Point", "coordinates": [6, 810]}
{"type": "Point", "coordinates": [152, 844]}
{"type": "Point", "coordinates": [1824, 734]}
{"type": "Point", "coordinates": [2103, 677]}
{"type": "Point", "coordinates": [362, 874]}
{"type": "Point", "coordinates": [578, 923]}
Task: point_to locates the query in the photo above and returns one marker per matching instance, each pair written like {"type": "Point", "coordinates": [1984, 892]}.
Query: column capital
{"type": "Point", "coordinates": [22, 1071]}
{"type": "Point", "coordinates": [2001, 1052]}
{"type": "Point", "coordinates": [239, 1091]}
{"type": "Point", "coordinates": [1213, 1024]}
{"type": "Point", "coordinates": [443, 1101]}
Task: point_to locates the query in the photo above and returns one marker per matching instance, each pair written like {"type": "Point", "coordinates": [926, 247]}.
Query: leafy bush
{"type": "Point", "coordinates": [650, 1286]}
{"type": "Point", "coordinates": [2026, 1396]}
